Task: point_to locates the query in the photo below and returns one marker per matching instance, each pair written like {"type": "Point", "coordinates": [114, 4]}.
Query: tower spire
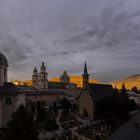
{"type": "Point", "coordinates": [85, 77]}
{"type": "Point", "coordinates": [35, 70]}
{"type": "Point", "coordinates": [85, 70]}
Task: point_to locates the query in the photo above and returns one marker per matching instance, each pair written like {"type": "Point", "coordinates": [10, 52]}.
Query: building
{"type": "Point", "coordinates": [48, 92]}
{"type": "Point", "coordinates": [135, 97]}
{"type": "Point", "coordinates": [40, 80]}
{"type": "Point", "coordinates": [10, 99]}
{"type": "Point", "coordinates": [90, 95]}
{"type": "Point", "coordinates": [3, 69]}
{"type": "Point", "coordinates": [129, 131]}
{"type": "Point", "coordinates": [10, 95]}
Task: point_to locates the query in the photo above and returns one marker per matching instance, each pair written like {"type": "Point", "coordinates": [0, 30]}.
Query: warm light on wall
{"type": "Point", "coordinates": [16, 83]}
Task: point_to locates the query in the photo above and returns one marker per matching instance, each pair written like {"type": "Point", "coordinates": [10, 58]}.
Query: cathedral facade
{"type": "Point", "coordinates": [49, 91]}
{"type": "Point", "coordinates": [40, 80]}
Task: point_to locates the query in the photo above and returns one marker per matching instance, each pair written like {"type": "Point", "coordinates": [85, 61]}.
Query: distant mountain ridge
{"type": "Point", "coordinates": [78, 80]}
{"type": "Point", "coordinates": [130, 82]}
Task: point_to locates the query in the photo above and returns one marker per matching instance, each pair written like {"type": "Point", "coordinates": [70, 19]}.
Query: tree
{"type": "Point", "coordinates": [123, 89]}
{"type": "Point", "coordinates": [65, 104]}
{"type": "Point", "coordinates": [135, 89]}
{"type": "Point", "coordinates": [21, 126]}
{"type": "Point", "coordinates": [51, 125]}
{"type": "Point", "coordinates": [47, 119]}
{"type": "Point", "coordinates": [132, 105]}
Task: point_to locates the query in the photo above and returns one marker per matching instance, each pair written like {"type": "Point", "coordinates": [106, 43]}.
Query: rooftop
{"type": "Point", "coordinates": [129, 131]}
{"type": "Point", "coordinates": [3, 59]}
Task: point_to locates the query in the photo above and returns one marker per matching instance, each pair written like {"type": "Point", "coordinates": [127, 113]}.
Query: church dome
{"type": "Point", "coordinates": [64, 78]}
{"type": "Point", "coordinates": [3, 59]}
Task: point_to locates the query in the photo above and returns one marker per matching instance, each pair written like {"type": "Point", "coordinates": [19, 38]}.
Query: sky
{"type": "Point", "coordinates": [66, 33]}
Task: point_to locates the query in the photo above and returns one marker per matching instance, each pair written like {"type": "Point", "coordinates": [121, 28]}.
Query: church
{"type": "Point", "coordinates": [90, 95]}
{"type": "Point", "coordinates": [10, 95]}
{"type": "Point", "coordinates": [43, 91]}
{"type": "Point", "coordinates": [48, 92]}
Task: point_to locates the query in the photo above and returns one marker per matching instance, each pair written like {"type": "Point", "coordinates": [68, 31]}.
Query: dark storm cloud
{"type": "Point", "coordinates": [65, 33]}
{"type": "Point", "coordinates": [112, 29]}
{"type": "Point", "coordinates": [59, 53]}
{"type": "Point", "coordinates": [16, 51]}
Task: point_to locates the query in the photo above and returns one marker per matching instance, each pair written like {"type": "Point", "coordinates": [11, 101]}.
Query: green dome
{"type": "Point", "coordinates": [64, 78]}
{"type": "Point", "coordinates": [3, 59]}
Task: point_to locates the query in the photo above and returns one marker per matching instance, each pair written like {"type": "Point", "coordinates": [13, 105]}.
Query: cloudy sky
{"type": "Point", "coordinates": [65, 33]}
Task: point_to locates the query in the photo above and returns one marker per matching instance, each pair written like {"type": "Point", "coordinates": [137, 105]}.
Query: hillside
{"type": "Point", "coordinates": [18, 82]}
{"type": "Point", "coordinates": [74, 79]}
{"type": "Point", "coordinates": [130, 82]}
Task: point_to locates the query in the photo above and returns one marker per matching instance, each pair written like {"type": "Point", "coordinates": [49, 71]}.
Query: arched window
{"type": "Point", "coordinates": [8, 101]}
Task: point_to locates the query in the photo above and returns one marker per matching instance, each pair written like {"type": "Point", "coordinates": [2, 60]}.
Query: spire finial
{"type": "Point", "coordinates": [85, 70]}
{"type": "Point", "coordinates": [35, 70]}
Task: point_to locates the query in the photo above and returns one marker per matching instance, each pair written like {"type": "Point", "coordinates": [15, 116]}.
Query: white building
{"type": "Point", "coordinates": [10, 96]}
{"type": "Point", "coordinates": [3, 69]}
{"type": "Point", "coordinates": [40, 80]}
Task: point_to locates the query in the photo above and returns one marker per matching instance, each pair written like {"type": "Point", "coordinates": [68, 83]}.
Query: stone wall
{"type": "Point", "coordinates": [3, 74]}
{"type": "Point", "coordinates": [86, 103]}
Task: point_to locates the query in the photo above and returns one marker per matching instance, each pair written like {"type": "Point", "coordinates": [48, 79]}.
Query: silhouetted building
{"type": "Point", "coordinates": [10, 99]}
{"type": "Point", "coordinates": [49, 92]}
{"type": "Point", "coordinates": [129, 131]}
{"type": "Point", "coordinates": [90, 95]}
{"type": "Point", "coordinates": [10, 95]}
{"type": "Point", "coordinates": [3, 68]}
{"type": "Point", "coordinates": [40, 80]}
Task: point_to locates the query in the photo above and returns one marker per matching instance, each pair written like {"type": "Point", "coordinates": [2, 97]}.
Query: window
{"type": "Point", "coordinates": [8, 101]}
{"type": "Point", "coordinates": [4, 72]}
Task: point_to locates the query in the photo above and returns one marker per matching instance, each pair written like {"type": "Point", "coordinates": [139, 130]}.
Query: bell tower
{"type": "Point", "coordinates": [43, 77]}
{"type": "Point", "coordinates": [35, 78]}
{"type": "Point", "coordinates": [85, 77]}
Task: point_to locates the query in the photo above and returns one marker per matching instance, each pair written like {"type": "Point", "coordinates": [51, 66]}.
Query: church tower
{"type": "Point", "coordinates": [35, 78]}
{"type": "Point", "coordinates": [43, 78]}
{"type": "Point", "coordinates": [85, 77]}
